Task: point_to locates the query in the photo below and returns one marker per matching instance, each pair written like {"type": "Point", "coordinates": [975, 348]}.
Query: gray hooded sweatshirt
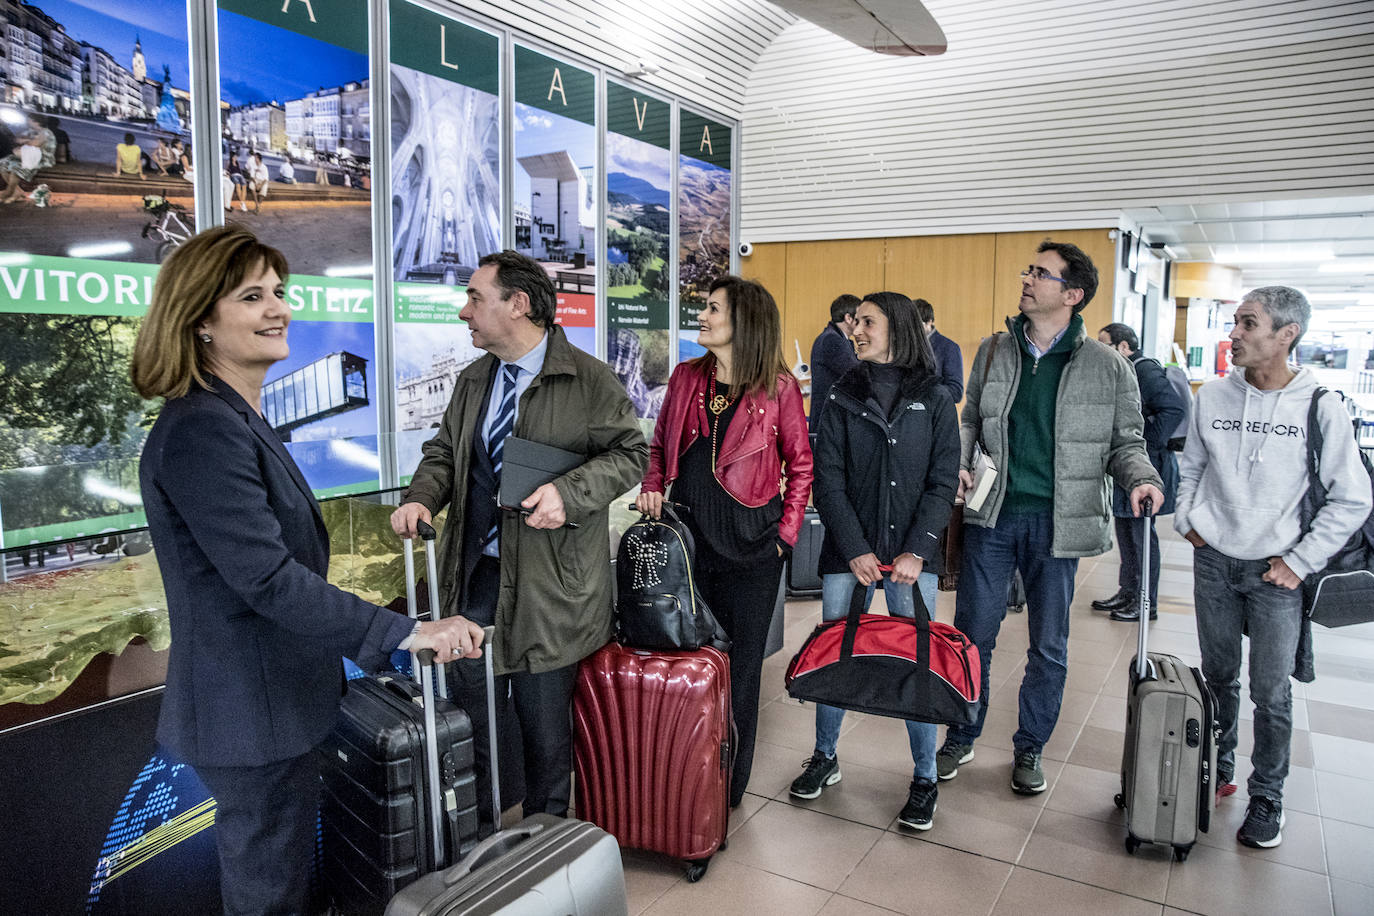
{"type": "Point", "coordinates": [1243, 473]}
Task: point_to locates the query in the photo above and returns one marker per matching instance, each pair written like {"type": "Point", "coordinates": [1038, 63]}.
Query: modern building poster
{"type": "Point", "coordinates": [703, 201]}
{"type": "Point", "coordinates": [296, 155]}
{"type": "Point", "coordinates": [95, 129]}
{"type": "Point", "coordinates": [639, 181]}
{"type": "Point", "coordinates": [555, 183]}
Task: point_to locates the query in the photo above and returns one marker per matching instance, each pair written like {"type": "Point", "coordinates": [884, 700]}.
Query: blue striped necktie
{"type": "Point", "coordinates": [501, 427]}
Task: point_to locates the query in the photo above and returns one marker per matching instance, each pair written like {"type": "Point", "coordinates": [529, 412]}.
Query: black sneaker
{"type": "Point", "coordinates": [950, 756]}
{"type": "Point", "coordinates": [1263, 824]}
{"type": "Point", "coordinates": [1026, 776]}
{"type": "Point", "coordinates": [919, 812]}
{"type": "Point", "coordinates": [821, 771]}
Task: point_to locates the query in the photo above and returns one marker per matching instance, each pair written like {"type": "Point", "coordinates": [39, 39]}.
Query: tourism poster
{"type": "Point", "coordinates": [84, 104]}
{"type": "Point", "coordinates": [98, 106]}
{"type": "Point", "coordinates": [639, 181]}
{"type": "Point", "coordinates": [446, 205]}
{"type": "Point", "coordinates": [703, 201]}
{"type": "Point", "coordinates": [555, 183]}
{"type": "Point", "coordinates": [296, 155]}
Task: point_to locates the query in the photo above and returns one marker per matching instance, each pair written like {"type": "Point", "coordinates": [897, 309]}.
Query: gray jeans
{"type": "Point", "coordinates": [1232, 600]}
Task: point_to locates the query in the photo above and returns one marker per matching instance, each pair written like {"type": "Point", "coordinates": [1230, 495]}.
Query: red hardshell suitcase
{"type": "Point", "coordinates": [653, 749]}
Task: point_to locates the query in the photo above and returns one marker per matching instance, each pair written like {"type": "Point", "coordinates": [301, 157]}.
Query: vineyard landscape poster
{"type": "Point", "coordinates": [639, 181]}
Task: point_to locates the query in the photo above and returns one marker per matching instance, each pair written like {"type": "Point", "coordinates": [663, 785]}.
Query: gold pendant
{"type": "Point", "coordinates": [718, 404]}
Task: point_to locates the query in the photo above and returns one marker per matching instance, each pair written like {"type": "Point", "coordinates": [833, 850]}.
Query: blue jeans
{"type": "Point", "coordinates": [991, 556]}
{"type": "Point", "coordinates": [1231, 599]}
{"type": "Point", "coordinates": [836, 590]}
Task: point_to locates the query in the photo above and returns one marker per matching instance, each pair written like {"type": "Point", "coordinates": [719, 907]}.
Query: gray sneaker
{"type": "Point", "coordinates": [948, 758]}
{"type": "Point", "coordinates": [821, 771]}
{"type": "Point", "coordinates": [1026, 776]}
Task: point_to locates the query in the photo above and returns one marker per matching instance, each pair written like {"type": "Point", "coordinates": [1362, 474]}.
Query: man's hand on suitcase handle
{"type": "Point", "coordinates": [451, 639]}
{"type": "Point", "coordinates": [403, 520]}
{"type": "Point", "coordinates": [1146, 491]}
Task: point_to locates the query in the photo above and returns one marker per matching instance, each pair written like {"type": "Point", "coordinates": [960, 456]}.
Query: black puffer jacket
{"type": "Point", "coordinates": [883, 487]}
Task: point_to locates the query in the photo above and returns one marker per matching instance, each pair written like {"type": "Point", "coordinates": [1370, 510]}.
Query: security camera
{"type": "Point", "coordinates": [746, 249]}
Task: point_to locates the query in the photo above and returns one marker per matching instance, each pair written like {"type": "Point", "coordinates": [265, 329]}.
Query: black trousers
{"type": "Point", "coordinates": [1129, 543]}
{"type": "Point", "coordinates": [743, 598]}
{"type": "Point", "coordinates": [265, 820]}
{"type": "Point", "coordinates": [537, 707]}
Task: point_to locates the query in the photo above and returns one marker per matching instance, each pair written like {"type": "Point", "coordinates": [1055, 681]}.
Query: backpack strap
{"type": "Point", "coordinates": [1315, 497]}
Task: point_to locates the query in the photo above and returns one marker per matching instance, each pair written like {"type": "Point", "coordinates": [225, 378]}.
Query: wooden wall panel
{"type": "Point", "coordinates": [817, 272]}
{"type": "Point", "coordinates": [955, 274]}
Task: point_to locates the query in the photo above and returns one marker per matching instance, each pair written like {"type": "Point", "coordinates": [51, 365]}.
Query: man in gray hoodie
{"type": "Point", "coordinates": [1242, 479]}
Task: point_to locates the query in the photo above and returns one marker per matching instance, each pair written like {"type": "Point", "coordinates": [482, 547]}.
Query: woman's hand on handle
{"type": "Point", "coordinates": [865, 569]}
{"type": "Point", "coordinates": [451, 639]}
{"type": "Point", "coordinates": [907, 568]}
{"type": "Point", "coordinates": [650, 503]}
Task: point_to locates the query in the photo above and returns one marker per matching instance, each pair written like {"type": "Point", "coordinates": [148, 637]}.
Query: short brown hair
{"type": "Point", "coordinates": [756, 336]}
{"type": "Point", "coordinates": [516, 272]}
{"type": "Point", "coordinates": [167, 357]}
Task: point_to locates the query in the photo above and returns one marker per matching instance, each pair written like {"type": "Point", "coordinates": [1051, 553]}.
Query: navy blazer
{"type": "Point", "coordinates": [257, 632]}
{"type": "Point", "coordinates": [832, 355]}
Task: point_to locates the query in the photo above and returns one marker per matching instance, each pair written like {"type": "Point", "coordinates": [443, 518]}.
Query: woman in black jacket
{"type": "Point", "coordinates": [887, 464]}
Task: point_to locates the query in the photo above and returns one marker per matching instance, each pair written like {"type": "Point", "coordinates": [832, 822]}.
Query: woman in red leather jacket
{"type": "Point", "coordinates": [732, 443]}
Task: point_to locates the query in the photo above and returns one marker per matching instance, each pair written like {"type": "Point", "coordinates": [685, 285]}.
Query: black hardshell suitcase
{"type": "Point", "coordinates": [803, 575]}
{"type": "Point", "coordinates": [1169, 758]}
{"type": "Point", "coordinates": [377, 814]}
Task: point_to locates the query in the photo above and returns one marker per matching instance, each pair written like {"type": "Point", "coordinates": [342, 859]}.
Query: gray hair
{"type": "Point", "coordinates": [1285, 306]}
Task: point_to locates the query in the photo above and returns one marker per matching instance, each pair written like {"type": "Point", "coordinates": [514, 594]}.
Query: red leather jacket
{"type": "Point", "coordinates": [764, 435]}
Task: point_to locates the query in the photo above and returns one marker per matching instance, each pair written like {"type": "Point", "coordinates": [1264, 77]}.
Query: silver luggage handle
{"type": "Point", "coordinates": [424, 670]}
{"type": "Point", "coordinates": [491, 848]}
{"type": "Point", "coordinates": [1142, 664]}
{"type": "Point", "coordinates": [489, 634]}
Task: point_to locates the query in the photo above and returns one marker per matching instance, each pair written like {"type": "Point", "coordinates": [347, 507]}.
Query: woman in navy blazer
{"type": "Point", "coordinates": [254, 678]}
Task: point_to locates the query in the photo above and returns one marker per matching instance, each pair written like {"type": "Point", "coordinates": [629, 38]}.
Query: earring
{"type": "Point", "coordinates": [206, 338]}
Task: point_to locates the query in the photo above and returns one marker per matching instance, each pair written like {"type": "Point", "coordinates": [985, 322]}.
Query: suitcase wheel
{"type": "Point", "coordinates": [1181, 853]}
{"type": "Point", "coordinates": [1119, 801]}
{"type": "Point", "coordinates": [1132, 844]}
{"type": "Point", "coordinates": [696, 868]}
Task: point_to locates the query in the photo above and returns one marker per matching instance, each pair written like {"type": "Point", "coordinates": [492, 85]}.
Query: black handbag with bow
{"type": "Point", "coordinates": [657, 604]}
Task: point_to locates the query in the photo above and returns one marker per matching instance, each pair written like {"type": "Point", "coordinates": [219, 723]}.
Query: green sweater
{"type": "Point", "coordinates": [1030, 428]}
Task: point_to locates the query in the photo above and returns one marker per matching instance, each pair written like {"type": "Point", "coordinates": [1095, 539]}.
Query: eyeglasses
{"type": "Point", "coordinates": [1040, 273]}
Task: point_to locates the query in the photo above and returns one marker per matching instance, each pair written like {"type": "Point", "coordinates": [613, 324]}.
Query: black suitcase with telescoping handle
{"type": "Point", "coordinates": [1169, 759]}
{"type": "Point", "coordinates": [542, 865]}
{"type": "Point", "coordinates": [383, 823]}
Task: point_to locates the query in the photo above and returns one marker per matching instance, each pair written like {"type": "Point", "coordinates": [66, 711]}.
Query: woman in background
{"type": "Point", "coordinates": [887, 466]}
{"type": "Point", "coordinates": [731, 427]}
{"type": "Point", "coordinates": [35, 152]}
{"type": "Point", "coordinates": [255, 672]}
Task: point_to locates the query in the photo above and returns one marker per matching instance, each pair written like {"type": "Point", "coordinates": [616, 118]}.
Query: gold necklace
{"type": "Point", "coordinates": [717, 404]}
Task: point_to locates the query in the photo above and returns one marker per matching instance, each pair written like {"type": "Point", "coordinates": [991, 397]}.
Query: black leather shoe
{"type": "Point", "coordinates": [1132, 614]}
{"type": "Point", "coordinates": [1114, 603]}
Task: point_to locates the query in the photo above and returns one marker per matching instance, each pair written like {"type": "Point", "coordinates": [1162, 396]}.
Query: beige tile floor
{"type": "Point", "coordinates": [1061, 852]}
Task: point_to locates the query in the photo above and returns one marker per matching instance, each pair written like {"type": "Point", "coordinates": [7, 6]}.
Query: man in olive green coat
{"type": "Point", "coordinates": [1055, 411]}
{"type": "Point", "coordinates": [542, 575]}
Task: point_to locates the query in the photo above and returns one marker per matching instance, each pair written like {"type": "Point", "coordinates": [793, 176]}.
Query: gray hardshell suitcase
{"type": "Point", "coordinates": [543, 866]}
{"type": "Point", "coordinates": [1170, 754]}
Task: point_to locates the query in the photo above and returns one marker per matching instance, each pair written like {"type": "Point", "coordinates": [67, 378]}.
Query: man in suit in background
{"type": "Point", "coordinates": [947, 355]}
{"type": "Point", "coordinates": [832, 354]}
{"type": "Point", "coordinates": [541, 575]}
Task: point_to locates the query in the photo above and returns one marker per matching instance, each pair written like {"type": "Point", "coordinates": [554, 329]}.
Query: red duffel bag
{"type": "Point", "coordinates": [906, 668]}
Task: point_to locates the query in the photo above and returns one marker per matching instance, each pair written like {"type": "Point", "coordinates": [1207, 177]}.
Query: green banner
{"type": "Point", "coordinates": [40, 285]}
{"type": "Point", "coordinates": [642, 315]}
{"type": "Point", "coordinates": [429, 303]}
{"type": "Point", "coordinates": [554, 86]}
{"type": "Point", "coordinates": [337, 22]}
{"type": "Point", "coordinates": [643, 117]}
{"type": "Point", "coordinates": [704, 139]}
{"type": "Point", "coordinates": [443, 47]}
